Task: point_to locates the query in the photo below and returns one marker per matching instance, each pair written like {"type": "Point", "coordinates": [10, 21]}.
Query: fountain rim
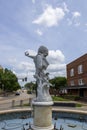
{"type": "Point", "coordinates": [42, 103]}
{"type": "Point", "coordinates": [53, 110]}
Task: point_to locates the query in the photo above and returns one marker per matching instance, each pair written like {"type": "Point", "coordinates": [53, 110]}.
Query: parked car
{"type": "Point", "coordinates": [17, 94]}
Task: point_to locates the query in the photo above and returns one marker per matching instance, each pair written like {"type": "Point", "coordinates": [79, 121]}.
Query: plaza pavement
{"type": "Point", "coordinates": [82, 109]}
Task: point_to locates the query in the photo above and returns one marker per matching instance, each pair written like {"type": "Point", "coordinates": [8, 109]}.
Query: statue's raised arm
{"type": "Point", "coordinates": [27, 54]}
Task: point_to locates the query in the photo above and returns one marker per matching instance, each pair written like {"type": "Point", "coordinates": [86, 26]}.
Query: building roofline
{"type": "Point", "coordinates": [77, 58]}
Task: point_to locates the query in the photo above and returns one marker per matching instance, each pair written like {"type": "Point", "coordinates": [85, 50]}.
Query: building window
{"type": "Point", "coordinates": [80, 69]}
{"type": "Point", "coordinates": [80, 82]}
{"type": "Point", "coordinates": [72, 83]}
{"type": "Point", "coordinates": [72, 72]}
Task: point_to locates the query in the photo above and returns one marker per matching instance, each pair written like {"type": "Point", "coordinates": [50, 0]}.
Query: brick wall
{"type": "Point", "coordinates": [80, 61]}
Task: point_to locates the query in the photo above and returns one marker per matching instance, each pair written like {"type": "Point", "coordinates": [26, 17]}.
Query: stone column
{"type": "Point", "coordinates": [42, 116]}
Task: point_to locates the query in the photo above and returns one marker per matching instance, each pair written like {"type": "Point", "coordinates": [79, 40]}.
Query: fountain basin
{"type": "Point", "coordinates": [19, 118]}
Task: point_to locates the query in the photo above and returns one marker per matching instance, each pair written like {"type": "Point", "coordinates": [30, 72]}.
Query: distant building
{"type": "Point", "coordinates": [77, 76]}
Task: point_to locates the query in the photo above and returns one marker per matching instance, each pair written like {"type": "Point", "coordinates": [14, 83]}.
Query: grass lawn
{"type": "Point", "coordinates": [55, 98]}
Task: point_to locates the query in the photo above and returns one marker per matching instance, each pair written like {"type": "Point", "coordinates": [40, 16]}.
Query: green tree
{"type": "Point", "coordinates": [30, 86]}
{"type": "Point", "coordinates": [8, 80]}
{"type": "Point", "coordinates": [58, 82]}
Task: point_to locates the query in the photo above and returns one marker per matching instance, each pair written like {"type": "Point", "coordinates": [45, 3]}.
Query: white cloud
{"type": "Point", "coordinates": [33, 1]}
{"type": "Point", "coordinates": [65, 7]}
{"type": "Point", "coordinates": [76, 14]}
{"type": "Point", "coordinates": [57, 66]}
{"type": "Point", "coordinates": [69, 21]}
{"type": "Point", "coordinates": [13, 60]}
{"type": "Point", "coordinates": [14, 72]}
{"type": "Point", "coordinates": [23, 69]}
{"type": "Point", "coordinates": [50, 17]}
{"type": "Point", "coordinates": [77, 24]}
{"type": "Point", "coordinates": [26, 66]}
{"type": "Point", "coordinates": [39, 32]}
{"type": "Point", "coordinates": [74, 20]}
{"type": "Point", "coordinates": [56, 56]}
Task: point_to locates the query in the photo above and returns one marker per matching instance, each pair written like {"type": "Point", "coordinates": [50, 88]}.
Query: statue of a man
{"type": "Point", "coordinates": [41, 75]}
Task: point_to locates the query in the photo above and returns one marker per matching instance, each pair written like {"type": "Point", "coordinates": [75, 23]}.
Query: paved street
{"type": "Point", "coordinates": [6, 102]}
{"type": "Point", "coordinates": [22, 96]}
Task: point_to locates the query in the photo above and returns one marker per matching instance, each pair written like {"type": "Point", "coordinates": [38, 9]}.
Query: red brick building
{"type": "Point", "coordinates": [77, 76]}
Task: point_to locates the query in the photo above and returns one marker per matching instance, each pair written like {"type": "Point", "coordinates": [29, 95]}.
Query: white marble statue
{"type": "Point", "coordinates": [42, 77]}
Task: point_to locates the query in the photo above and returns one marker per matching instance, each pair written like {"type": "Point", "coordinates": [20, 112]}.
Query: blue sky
{"type": "Point", "coordinates": [60, 25]}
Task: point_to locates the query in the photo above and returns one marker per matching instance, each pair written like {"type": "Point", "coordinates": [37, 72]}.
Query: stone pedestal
{"type": "Point", "coordinates": [42, 116]}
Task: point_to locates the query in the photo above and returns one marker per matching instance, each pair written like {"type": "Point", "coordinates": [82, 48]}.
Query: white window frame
{"type": "Point", "coordinates": [72, 83]}
{"type": "Point", "coordinates": [80, 69]}
{"type": "Point", "coordinates": [80, 82]}
{"type": "Point", "coordinates": [72, 72]}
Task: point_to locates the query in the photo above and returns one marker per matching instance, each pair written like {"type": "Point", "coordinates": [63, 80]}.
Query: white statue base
{"type": "Point", "coordinates": [42, 116]}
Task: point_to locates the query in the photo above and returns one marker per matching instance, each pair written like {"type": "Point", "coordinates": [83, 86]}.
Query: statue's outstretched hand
{"type": "Point", "coordinates": [27, 53]}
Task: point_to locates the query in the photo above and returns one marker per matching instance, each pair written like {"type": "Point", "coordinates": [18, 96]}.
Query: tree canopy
{"type": "Point", "coordinates": [8, 80]}
{"type": "Point", "coordinates": [30, 85]}
{"type": "Point", "coordinates": [58, 82]}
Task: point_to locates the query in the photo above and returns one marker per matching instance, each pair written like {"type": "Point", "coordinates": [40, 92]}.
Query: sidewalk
{"type": "Point", "coordinates": [4, 97]}
{"type": "Point", "coordinates": [56, 108]}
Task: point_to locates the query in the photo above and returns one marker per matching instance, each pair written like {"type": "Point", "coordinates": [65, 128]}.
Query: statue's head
{"type": "Point", "coordinates": [43, 50]}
